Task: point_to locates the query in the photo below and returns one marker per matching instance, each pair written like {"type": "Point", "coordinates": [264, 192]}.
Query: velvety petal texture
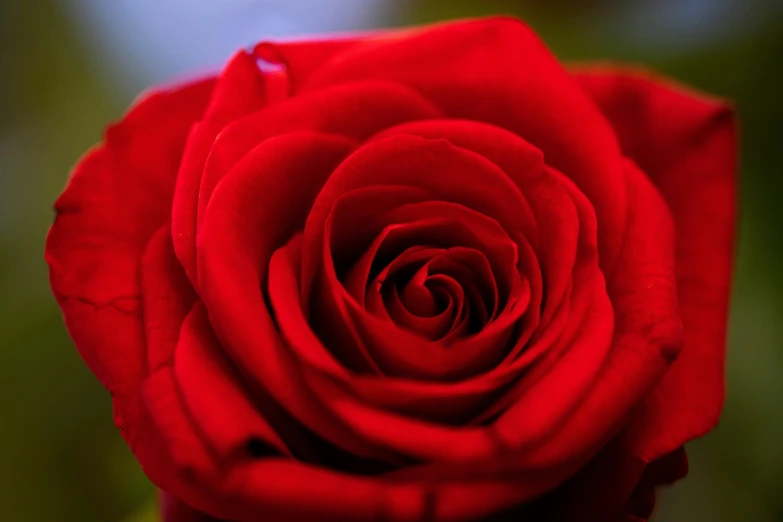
{"type": "Point", "coordinates": [425, 274]}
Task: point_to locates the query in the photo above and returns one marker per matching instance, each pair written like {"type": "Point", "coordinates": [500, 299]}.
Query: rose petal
{"type": "Point", "coordinates": [287, 490]}
{"type": "Point", "coordinates": [464, 169]}
{"type": "Point", "coordinates": [478, 229]}
{"type": "Point", "coordinates": [301, 59]}
{"type": "Point", "coordinates": [422, 359]}
{"type": "Point", "coordinates": [118, 195]}
{"type": "Point", "coordinates": [552, 209]}
{"type": "Point", "coordinates": [167, 297]}
{"type": "Point", "coordinates": [420, 439]}
{"type": "Point", "coordinates": [444, 171]}
{"type": "Point", "coordinates": [464, 69]}
{"type": "Point", "coordinates": [240, 233]}
{"type": "Point", "coordinates": [647, 338]}
{"type": "Point", "coordinates": [215, 396]}
{"type": "Point", "coordinates": [240, 89]}
{"type": "Point", "coordinates": [648, 330]}
{"type": "Point", "coordinates": [355, 110]}
{"type": "Point", "coordinates": [360, 206]}
{"type": "Point", "coordinates": [685, 143]}
{"type": "Point", "coordinates": [424, 399]}
{"type": "Point", "coordinates": [417, 307]}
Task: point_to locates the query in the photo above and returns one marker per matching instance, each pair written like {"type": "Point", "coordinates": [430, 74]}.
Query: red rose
{"type": "Point", "coordinates": [420, 275]}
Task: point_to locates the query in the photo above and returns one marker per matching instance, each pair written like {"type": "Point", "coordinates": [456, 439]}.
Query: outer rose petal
{"type": "Point", "coordinates": [118, 195]}
{"type": "Point", "coordinates": [685, 143]}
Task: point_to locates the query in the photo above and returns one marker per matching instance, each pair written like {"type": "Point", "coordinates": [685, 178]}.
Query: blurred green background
{"type": "Point", "coordinates": [70, 67]}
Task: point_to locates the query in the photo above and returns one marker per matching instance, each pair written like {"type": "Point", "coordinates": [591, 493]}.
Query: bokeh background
{"type": "Point", "coordinates": [68, 67]}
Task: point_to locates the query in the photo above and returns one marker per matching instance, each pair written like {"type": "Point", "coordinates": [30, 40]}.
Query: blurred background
{"type": "Point", "coordinates": [70, 66]}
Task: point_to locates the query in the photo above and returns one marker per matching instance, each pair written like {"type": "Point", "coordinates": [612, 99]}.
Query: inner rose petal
{"type": "Point", "coordinates": [434, 296]}
{"type": "Point", "coordinates": [432, 327]}
{"type": "Point", "coordinates": [433, 400]}
{"type": "Point", "coordinates": [349, 228]}
{"type": "Point", "coordinates": [443, 233]}
{"type": "Point", "coordinates": [430, 402]}
{"type": "Point", "coordinates": [443, 171]}
{"type": "Point", "coordinates": [430, 312]}
{"type": "Point", "coordinates": [457, 226]}
{"type": "Point", "coordinates": [557, 220]}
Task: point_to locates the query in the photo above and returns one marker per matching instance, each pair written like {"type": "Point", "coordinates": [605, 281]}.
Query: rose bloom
{"type": "Point", "coordinates": [414, 275]}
